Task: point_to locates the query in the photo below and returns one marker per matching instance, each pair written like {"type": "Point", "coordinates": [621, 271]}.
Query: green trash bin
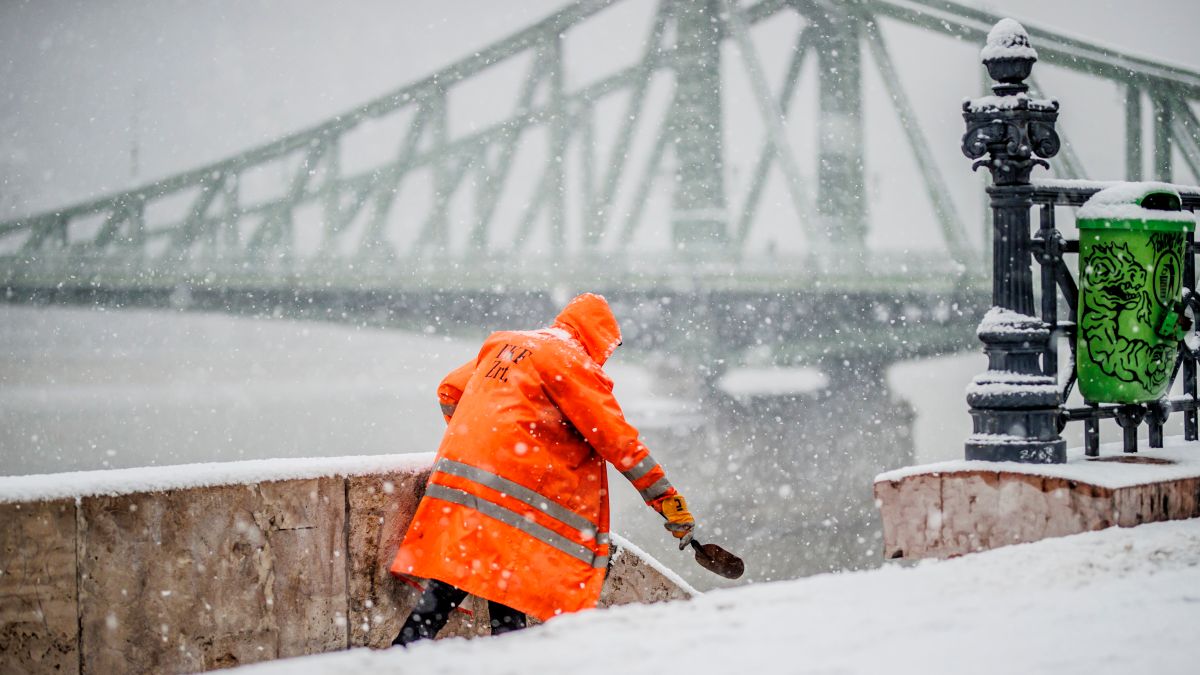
{"type": "Point", "coordinates": [1132, 242]}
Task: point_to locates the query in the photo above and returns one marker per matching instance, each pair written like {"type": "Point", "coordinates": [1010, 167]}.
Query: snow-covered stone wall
{"type": "Point", "coordinates": [184, 569]}
{"type": "Point", "coordinates": [952, 508]}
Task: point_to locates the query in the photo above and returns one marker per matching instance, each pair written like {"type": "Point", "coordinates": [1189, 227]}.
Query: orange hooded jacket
{"type": "Point", "coordinates": [516, 509]}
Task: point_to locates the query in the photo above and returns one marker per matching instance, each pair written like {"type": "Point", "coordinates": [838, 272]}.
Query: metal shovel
{"type": "Point", "coordinates": [718, 561]}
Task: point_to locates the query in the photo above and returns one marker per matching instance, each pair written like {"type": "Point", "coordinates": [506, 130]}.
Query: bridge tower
{"type": "Point", "coordinates": [699, 221]}
{"type": "Point", "coordinates": [841, 196]}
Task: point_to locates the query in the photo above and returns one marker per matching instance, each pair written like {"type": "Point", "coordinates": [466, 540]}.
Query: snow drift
{"type": "Point", "coordinates": [1115, 601]}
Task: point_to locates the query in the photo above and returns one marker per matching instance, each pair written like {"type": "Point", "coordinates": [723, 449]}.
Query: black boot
{"type": "Point", "coordinates": [504, 619]}
{"type": "Point", "coordinates": [431, 613]}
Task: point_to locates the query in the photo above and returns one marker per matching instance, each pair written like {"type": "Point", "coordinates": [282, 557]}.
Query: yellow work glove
{"type": "Point", "coordinates": [679, 520]}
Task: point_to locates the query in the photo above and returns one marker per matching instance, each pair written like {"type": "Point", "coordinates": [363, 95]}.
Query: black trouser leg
{"type": "Point", "coordinates": [505, 619]}
{"type": "Point", "coordinates": [431, 613]}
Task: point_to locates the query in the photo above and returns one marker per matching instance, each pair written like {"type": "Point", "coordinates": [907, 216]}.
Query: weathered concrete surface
{"type": "Point", "coordinates": [307, 534]}
{"type": "Point", "coordinates": [191, 580]}
{"type": "Point", "coordinates": [632, 580]}
{"type": "Point", "coordinates": [940, 515]}
{"type": "Point", "coordinates": [380, 510]}
{"type": "Point", "coordinates": [911, 513]}
{"type": "Point", "coordinates": [39, 628]}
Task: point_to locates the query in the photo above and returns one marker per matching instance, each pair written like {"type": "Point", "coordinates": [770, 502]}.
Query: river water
{"type": "Point", "coordinates": [775, 465]}
{"type": "Point", "coordinates": [96, 388]}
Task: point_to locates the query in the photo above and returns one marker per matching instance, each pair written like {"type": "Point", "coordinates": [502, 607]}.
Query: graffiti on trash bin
{"type": "Point", "coordinates": [1116, 284]}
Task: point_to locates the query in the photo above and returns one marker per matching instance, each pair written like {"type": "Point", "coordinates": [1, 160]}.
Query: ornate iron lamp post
{"type": "Point", "coordinates": [1014, 406]}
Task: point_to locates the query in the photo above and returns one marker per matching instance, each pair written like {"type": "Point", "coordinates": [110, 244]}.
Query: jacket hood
{"type": "Point", "coordinates": [589, 318]}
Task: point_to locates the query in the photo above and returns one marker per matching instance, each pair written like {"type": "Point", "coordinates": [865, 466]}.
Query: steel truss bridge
{"type": "Point", "coordinates": [553, 195]}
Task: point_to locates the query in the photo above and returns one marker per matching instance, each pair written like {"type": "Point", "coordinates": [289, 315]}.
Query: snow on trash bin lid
{"type": "Point", "coordinates": [1136, 206]}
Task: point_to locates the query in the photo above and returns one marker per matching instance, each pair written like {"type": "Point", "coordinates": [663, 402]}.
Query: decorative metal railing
{"type": "Point", "coordinates": [1019, 404]}
{"type": "Point", "coordinates": [1049, 246]}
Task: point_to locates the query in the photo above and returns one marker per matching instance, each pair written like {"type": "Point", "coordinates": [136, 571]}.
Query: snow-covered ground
{"type": "Point", "coordinates": [1117, 601]}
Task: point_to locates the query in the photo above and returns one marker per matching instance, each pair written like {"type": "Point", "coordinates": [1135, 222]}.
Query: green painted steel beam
{"type": "Point", "coordinates": [652, 57]}
{"type": "Point", "coordinates": [646, 180]}
{"type": "Point", "coordinates": [560, 136]}
{"type": "Point", "coordinates": [1185, 130]}
{"type": "Point", "coordinates": [1162, 137]}
{"type": "Point", "coordinates": [698, 214]}
{"type": "Point", "coordinates": [841, 180]}
{"type": "Point", "coordinates": [494, 175]}
{"type": "Point", "coordinates": [953, 230]}
{"type": "Point", "coordinates": [972, 25]}
{"type": "Point", "coordinates": [1133, 133]}
{"type": "Point", "coordinates": [766, 155]}
{"type": "Point", "coordinates": [772, 111]}
{"type": "Point", "coordinates": [1072, 165]}
{"type": "Point", "coordinates": [464, 68]}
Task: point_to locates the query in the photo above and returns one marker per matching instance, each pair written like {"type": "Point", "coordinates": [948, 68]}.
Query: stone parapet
{"type": "Point", "coordinates": [223, 565]}
{"type": "Point", "coordinates": [39, 608]}
{"type": "Point", "coordinates": [191, 580]}
{"type": "Point", "coordinates": [952, 508]}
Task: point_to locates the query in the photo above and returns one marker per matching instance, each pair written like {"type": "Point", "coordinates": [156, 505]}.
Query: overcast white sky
{"type": "Point", "coordinates": [213, 78]}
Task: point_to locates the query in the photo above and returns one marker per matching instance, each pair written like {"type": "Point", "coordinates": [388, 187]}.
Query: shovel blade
{"type": "Point", "coordinates": [719, 561]}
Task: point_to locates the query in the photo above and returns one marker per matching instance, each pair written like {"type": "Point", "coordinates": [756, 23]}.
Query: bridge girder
{"type": "Point", "coordinates": [220, 222]}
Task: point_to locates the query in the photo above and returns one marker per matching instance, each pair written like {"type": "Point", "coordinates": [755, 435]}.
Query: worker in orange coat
{"type": "Point", "coordinates": [516, 509]}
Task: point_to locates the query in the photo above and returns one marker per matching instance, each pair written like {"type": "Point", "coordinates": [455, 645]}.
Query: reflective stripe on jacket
{"type": "Point", "coordinates": [516, 509]}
